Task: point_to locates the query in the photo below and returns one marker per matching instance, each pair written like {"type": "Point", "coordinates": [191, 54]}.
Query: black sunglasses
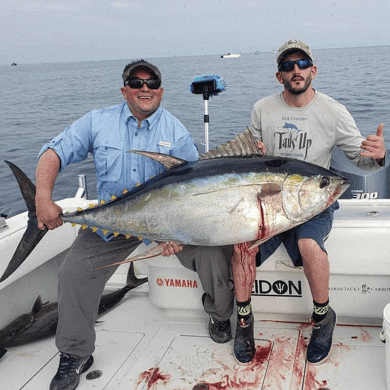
{"type": "Point", "coordinates": [139, 83]}
{"type": "Point", "coordinates": [288, 66]}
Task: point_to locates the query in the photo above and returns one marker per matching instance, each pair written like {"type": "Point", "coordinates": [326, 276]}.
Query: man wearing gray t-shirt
{"type": "Point", "coordinates": [304, 124]}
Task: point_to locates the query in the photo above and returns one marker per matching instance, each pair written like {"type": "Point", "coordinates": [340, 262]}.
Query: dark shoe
{"type": "Point", "coordinates": [321, 339]}
{"type": "Point", "coordinates": [244, 342]}
{"type": "Point", "coordinates": [220, 331]}
{"type": "Point", "coordinates": [69, 371]}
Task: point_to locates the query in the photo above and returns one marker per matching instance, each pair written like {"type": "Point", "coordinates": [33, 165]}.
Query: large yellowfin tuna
{"type": "Point", "coordinates": [231, 195]}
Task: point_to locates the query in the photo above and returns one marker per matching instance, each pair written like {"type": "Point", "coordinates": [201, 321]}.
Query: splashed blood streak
{"type": "Point", "coordinates": [152, 376]}
{"type": "Point", "coordinates": [299, 361]}
{"type": "Point", "coordinates": [262, 355]}
{"type": "Point", "coordinates": [244, 267]}
{"type": "Point", "coordinates": [366, 337]}
{"type": "Point", "coordinates": [311, 382]}
{"type": "Point", "coordinates": [238, 379]}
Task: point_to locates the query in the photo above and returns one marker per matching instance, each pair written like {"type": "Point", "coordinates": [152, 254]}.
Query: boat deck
{"type": "Point", "coordinates": [140, 346]}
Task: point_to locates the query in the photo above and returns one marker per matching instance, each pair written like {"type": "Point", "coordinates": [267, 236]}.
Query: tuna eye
{"type": "Point", "coordinates": [324, 182]}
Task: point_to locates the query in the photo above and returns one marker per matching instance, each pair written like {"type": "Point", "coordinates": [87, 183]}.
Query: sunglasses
{"type": "Point", "coordinates": [288, 66]}
{"type": "Point", "coordinates": [139, 83]}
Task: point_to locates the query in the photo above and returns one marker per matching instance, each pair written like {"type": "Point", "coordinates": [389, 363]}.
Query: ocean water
{"type": "Point", "coordinates": [38, 101]}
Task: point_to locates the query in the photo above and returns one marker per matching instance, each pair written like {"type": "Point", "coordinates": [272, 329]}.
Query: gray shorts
{"type": "Point", "coordinates": [317, 228]}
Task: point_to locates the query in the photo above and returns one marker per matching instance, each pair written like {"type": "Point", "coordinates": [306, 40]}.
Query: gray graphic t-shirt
{"type": "Point", "coordinates": [308, 133]}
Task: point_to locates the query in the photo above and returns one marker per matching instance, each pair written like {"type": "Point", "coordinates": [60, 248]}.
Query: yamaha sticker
{"type": "Point", "coordinates": [181, 283]}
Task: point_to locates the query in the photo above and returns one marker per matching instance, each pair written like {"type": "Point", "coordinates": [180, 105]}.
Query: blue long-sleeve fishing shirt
{"type": "Point", "coordinates": [111, 132]}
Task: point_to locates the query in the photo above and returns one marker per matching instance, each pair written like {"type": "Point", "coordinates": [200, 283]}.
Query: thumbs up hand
{"type": "Point", "coordinates": [374, 145]}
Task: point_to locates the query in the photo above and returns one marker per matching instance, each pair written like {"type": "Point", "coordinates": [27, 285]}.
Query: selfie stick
{"type": "Point", "coordinates": [208, 85]}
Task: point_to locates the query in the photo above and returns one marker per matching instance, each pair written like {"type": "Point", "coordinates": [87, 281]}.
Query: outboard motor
{"type": "Point", "coordinates": [363, 184]}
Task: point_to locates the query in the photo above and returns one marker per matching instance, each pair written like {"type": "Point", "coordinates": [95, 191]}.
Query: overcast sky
{"type": "Point", "coordinates": [34, 31]}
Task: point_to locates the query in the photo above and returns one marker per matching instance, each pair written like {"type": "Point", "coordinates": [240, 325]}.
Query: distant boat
{"type": "Point", "coordinates": [230, 54]}
{"type": "Point", "coordinates": [257, 52]}
{"type": "Point", "coordinates": [14, 64]}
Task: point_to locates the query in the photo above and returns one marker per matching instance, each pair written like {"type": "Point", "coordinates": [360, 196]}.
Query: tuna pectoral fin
{"type": "Point", "coordinates": [258, 242]}
{"type": "Point", "coordinates": [3, 351]}
{"type": "Point", "coordinates": [168, 161]}
{"type": "Point", "coordinates": [155, 251]}
{"type": "Point", "coordinates": [33, 234]}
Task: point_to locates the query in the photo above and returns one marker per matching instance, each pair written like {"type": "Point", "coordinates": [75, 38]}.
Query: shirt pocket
{"type": "Point", "coordinates": [109, 163]}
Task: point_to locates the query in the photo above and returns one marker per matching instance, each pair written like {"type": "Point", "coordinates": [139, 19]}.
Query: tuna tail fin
{"type": "Point", "coordinates": [33, 234]}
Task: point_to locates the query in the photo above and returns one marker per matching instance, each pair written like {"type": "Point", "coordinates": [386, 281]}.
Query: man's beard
{"type": "Point", "coordinates": [297, 91]}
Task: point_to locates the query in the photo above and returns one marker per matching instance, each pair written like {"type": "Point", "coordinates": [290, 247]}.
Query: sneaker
{"type": "Point", "coordinates": [321, 339]}
{"type": "Point", "coordinates": [244, 343]}
{"type": "Point", "coordinates": [69, 371]}
{"type": "Point", "coordinates": [220, 331]}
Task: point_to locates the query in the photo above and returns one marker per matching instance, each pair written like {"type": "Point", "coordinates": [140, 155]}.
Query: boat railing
{"type": "Point", "coordinates": [82, 191]}
{"type": "Point", "coordinates": [3, 224]}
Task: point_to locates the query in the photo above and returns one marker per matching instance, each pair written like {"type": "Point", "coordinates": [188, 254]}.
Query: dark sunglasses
{"type": "Point", "coordinates": [139, 83]}
{"type": "Point", "coordinates": [288, 66]}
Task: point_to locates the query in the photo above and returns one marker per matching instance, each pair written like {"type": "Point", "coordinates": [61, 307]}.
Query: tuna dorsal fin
{"type": "Point", "coordinates": [37, 305]}
{"type": "Point", "coordinates": [243, 144]}
{"type": "Point", "coordinates": [168, 161]}
{"type": "Point", "coordinates": [132, 281]}
{"type": "Point", "coordinates": [130, 274]}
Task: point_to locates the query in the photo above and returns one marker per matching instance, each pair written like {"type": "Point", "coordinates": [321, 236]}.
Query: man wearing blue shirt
{"type": "Point", "coordinates": [142, 124]}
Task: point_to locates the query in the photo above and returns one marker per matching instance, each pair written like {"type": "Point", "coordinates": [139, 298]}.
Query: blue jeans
{"type": "Point", "coordinates": [317, 228]}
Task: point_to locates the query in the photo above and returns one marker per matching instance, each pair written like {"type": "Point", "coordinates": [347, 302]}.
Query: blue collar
{"type": "Point", "coordinates": [152, 119]}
